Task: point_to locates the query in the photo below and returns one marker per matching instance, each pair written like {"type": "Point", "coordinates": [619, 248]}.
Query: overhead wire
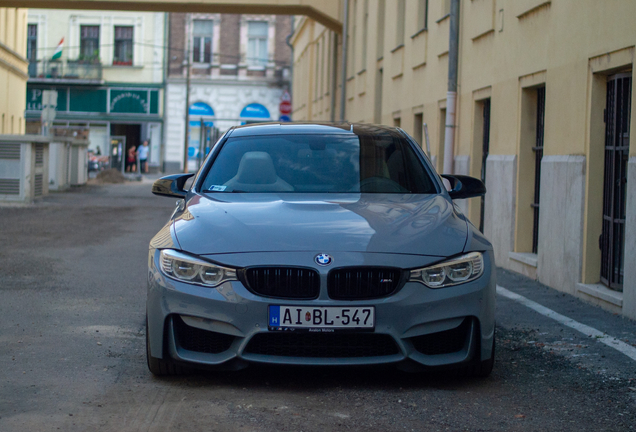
{"type": "Point", "coordinates": [164, 47]}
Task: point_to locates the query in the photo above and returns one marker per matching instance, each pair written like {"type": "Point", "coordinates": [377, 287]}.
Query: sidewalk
{"type": "Point", "coordinates": [546, 329]}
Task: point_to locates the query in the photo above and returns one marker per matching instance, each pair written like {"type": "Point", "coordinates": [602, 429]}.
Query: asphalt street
{"type": "Point", "coordinates": [72, 302]}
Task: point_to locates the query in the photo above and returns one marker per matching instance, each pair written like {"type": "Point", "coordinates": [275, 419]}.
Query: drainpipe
{"type": "Point", "coordinates": [334, 78]}
{"type": "Point", "coordinates": [187, 108]}
{"type": "Point", "coordinates": [451, 95]}
{"type": "Point", "coordinates": [345, 30]}
{"type": "Point", "coordinates": [166, 65]}
{"type": "Point", "coordinates": [291, 63]}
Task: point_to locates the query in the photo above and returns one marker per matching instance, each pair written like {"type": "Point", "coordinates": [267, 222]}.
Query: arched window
{"type": "Point", "coordinates": [254, 113]}
{"type": "Point", "coordinates": [200, 133]}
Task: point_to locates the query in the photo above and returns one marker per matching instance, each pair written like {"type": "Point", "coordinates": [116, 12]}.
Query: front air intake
{"type": "Point", "coordinates": [283, 282]}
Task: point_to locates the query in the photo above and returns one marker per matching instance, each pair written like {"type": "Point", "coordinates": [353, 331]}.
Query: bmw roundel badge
{"type": "Point", "coordinates": [323, 259]}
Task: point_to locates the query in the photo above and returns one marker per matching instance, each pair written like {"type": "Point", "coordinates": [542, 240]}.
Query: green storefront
{"type": "Point", "coordinates": [114, 110]}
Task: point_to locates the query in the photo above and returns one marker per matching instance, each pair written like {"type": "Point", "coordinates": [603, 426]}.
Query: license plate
{"type": "Point", "coordinates": [301, 317]}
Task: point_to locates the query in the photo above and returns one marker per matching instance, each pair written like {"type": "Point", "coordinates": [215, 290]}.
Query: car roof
{"type": "Point", "coordinates": [321, 128]}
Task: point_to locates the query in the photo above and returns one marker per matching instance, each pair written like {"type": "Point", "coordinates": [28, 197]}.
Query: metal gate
{"type": "Point", "coordinates": [612, 241]}
{"type": "Point", "coordinates": [484, 156]}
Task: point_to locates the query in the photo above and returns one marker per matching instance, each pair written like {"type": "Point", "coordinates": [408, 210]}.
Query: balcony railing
{"type": "Point", "coordinates": [80, 70]}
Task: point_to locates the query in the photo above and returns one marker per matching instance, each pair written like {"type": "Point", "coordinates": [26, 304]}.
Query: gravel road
{"type": "Point", "coordinates": [72, 299]}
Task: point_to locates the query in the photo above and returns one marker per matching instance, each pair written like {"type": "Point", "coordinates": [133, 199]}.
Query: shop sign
{"type": "Point", "coordinates": [255, 111]}
{"type": "Point", "coordinates": [34, 100]}
{"type": "Point", "coordinates": [129, 101]}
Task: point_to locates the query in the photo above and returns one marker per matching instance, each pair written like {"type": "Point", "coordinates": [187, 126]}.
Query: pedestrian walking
{"type": "Point", "coordinates": [143, 157]}
{"type": "Point", "coordinates": [131, 159]}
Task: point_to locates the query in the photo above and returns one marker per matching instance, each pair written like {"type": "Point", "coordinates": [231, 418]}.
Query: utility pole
{"type": "Point", "coordinates": [451, 95]}
{"type": "Point", "coordinates": [334, 77]}
{"type": "Point", "coordinates": [345, 30]}
{"type": "Point", "coordinates": [187, 108]}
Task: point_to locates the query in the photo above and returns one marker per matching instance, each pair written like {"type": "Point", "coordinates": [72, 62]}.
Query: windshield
{"type": "Point", "coordinates": [318, 163]}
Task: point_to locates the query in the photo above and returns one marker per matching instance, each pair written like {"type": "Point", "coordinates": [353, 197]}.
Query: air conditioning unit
{"type": "Point", "coordinates": [24, 165]}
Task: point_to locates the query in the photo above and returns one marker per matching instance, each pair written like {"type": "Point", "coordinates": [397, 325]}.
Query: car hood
{"type": "Point", "coordinates": [377, 223]}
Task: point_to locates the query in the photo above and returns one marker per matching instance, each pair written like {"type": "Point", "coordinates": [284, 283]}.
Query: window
{"type": "Point", "coordinates": [418, 125]}
{"type": "Point", "coordinates": [365, 32]}
{"type": "Point", "coordinates": [257, 43]}
{"type": "Point", "coordinates": [32, 42]}
{"type": "Point", "coordinates": [351, 40]}
{"type": "Point", "coordinates": [441, 140]}
{"type": "Point", "coordinates": [485, 145]}
{"type": "Point", "coordinates": [317, 63]}
{"type": "Point", "coordinates": [202, 41]}
{"type": "Point", "coordinates": [446, 5]}
{"type": "Point", "coordinates": [32, 49]}
{"type": "Point", "coordinates": [538, 152]}
{"type": "Point", "coordinates": [380, 40]}
{"type": "Point", "coordinates": [89, 42]}
{"type": "Point", "coordinates": [401, 15]}
{"type": "Point", "coordinates": [377, 111]}
{"type": "Point", "coordinates": [367, 162]}
{"type": "Point", "coordinates": [617, 131]}
{"type": "Point", "coordinates": [123, 46]}
{"type": "Point", "coordinates": [422, 15]}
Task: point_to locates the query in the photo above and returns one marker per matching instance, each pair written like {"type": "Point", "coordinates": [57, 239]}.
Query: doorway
{"type": "Point", "coordinates": [485, 150]}
{"type": "Point", "coordinates": [131, 132]}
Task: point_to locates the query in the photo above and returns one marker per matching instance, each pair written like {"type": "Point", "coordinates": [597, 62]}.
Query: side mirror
{"type": "Point", "coordinates": [171, 186]}
{"type": "Point", "coordinates": [465, 186]}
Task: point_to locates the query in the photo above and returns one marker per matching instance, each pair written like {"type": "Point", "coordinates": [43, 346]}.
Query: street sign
{"type": "Point", "coordinates": [284, 118]}
{"type": "Point", "coordinates": [285, 107]}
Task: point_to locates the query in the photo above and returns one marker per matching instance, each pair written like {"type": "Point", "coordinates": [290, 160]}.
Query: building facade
{"type": "Point", "coordinates": [238, 73]}
{"type": "Point", "coordinates": [543, 116]}
{"type": "Point", "coordinates": [107, 68]}
{"type": "Point", "coordinates": [13, 70]}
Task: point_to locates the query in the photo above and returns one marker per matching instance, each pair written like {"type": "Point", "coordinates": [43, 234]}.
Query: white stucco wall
{"type": "Point", "coordinates": [227, 99]}
{"type": "Point", "coordinates": [629, 283]}
{"type": "Point", "coordinates": [499, 213]}
{"type": "Point", "coordinates": [560, 254]}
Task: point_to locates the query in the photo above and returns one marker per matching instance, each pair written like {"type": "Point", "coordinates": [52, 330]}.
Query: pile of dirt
{"type": "Point", "coordinates": [111, 175]}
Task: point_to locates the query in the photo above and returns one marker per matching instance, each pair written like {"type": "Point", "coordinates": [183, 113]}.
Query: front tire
{"type": "Point", "coordinates": [484, 367]}
{"type": "Point", "coordinates": [161, 367]}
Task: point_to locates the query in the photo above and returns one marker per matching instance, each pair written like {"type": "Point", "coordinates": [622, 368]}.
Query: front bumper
{"type": "Point", "coordinates": [429, 327]}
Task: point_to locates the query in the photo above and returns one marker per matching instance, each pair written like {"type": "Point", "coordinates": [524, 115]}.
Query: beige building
{"type": "Point", "coordinates": [13, 70]}
{"type": "Point", "coordinates": [543, 115]}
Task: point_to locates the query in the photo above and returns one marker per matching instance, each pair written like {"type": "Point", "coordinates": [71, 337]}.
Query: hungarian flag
{"type": "Point", "coordinates": [58, 51]}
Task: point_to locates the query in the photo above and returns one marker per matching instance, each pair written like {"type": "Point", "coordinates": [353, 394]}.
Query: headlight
{"type": "Point", "coordinates": [180, 266]}
{"type": "Point", "coordinates": [453, 272]}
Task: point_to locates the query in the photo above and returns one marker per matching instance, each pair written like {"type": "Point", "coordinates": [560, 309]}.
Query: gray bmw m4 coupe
{"type": "Point", "coordinates": [319, 245]}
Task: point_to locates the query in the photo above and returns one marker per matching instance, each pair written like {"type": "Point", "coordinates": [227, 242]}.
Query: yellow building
{"type": "Point", "coordinates": [543, 114]}
{"type": "Point", "coordinates": [13, 70]}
